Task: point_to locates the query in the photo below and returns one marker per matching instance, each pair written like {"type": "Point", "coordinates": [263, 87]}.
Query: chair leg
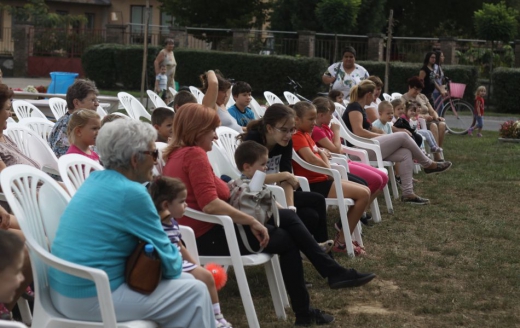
{"type": "Point", "coordinates": [245, 294]}
{"type": "Point", "coordinates": [343, 209]}
{"type": "Point", "coordinates": [25, 311]}
{"type": "Point", "coordinates": [393, 182]}
{"type": "Point", "coordinates": [357, 234]}
{"type": "Point", "coordinates": [374, 208]}
{"type": "Point", "coordinates": [280, 282]}
{"type": "Point", "coordinates": [388, 200]}
{"type": "Point", "coordinates": [275, 289]}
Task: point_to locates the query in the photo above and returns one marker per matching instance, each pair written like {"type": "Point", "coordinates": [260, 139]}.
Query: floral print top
{"type": "Point", "coordinates": [344, 81]}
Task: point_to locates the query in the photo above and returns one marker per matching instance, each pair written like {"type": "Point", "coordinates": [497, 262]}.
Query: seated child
{"type": "Point", "coordinates": [404, 122]}
{"type": "Point", "coordinates": [320, 183]}
{"type": "Point", "coordinates": [398, 106]}
{"type": "Point", "coordinates": [240, 110]}
{"type": "Point", "coordinates": [11, 263]}
{"type": "Point", "coordinates": [112, 117]}
{"type": "Point", "coordinates": [336, 96]}
{"type": "Point", "coordinates": [386, 112]}
{"type": "Point", "coordinates": [162, 121]}
{"type": "Point", "coordinates": [183, 97]}
{"type": "Point", "coordinates": [82, 130]}
{"type": "Point", "coordinates": [250, 156]}
{"type": "Point", "coordinates": [169, 197]}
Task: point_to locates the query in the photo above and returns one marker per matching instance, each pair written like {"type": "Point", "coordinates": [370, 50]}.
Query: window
{"type": "Point", "coordinates": [137, 15]}
{"type": "Point", "coordinates": [166, 21]}
{"type": "Point", "coordinates": [90, 24]}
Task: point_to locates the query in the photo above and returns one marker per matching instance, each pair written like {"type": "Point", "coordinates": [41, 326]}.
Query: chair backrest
{"type": "Point", "coordinates": [11, 324]}
{"type": "Point", "coordinates": [101, 112]}
{"type": "Point", "coordinates": [156, 100]}
{"type": "Point", "coordinates": [172, 91]}
{"type": "Point", "coordinates": [33, 146]}
{"type": "Point", "coordinates": [230, 101]}
{"type": "Point", "coordinates": [340, 109]}
{"type": "Point", "coordinates": [160, 160]}
{"type": "Point", "coordinates": [272, 98]}
{"type": "Point", "coordinates": [58, 107]}
{"type": "Point", "coordinates": [197, 93]}
{"type": "Point", "coordinates": [41, 126]}
{"type": "Point", "coordinates": [133, 107]}
{"type": "Point", "coordinates": [396, 95]}
{"type": "Point", "coordinates": [227, 140]}
{"type": "Point", "coordinates": [257, 109]}
{"type": "Point", "coordinates": [10, 120]}
{"type": "Point", "coordinates": [221, 163]}
{"type": "Point", "coordinates": [387, 97]}
{"type": "Point", "coordinates": [24, 109]}
{"type": "Point", "coordinates": [75, 169]}
{"type": "Point", "coordinates": [291, 98]}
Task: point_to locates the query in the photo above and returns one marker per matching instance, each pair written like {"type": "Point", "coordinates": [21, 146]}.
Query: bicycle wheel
{"type": "Point", "coordinates": [459, 118]}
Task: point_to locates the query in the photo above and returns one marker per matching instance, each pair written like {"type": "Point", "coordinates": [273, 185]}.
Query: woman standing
{"type": "Point", "coordinates": [439, 77]}
{"type": "Point", "coordinates": [427, 74]}
{"type": "Point", "coordinates": [167, 58]}
{"type": "Point", "coordinates": [344, 75]}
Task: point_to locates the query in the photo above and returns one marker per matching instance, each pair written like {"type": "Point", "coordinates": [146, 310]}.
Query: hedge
{"type": "Point", "coordinates": [400, 73]}
{"type": "Point", "coordinates": [505, 95]}
{"type": "Point", "coordinates": [114, 66]}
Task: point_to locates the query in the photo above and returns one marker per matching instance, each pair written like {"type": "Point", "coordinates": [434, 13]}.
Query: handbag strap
{"type": "Point", "coordinates": [242, 233]}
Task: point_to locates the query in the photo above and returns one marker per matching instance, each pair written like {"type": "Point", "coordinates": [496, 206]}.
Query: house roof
{"type": "Point", "coordinates": [88, 2]}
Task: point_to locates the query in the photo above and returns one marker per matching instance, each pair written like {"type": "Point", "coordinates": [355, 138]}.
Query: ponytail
{"type": "Point", "coordinates": [360, 90]}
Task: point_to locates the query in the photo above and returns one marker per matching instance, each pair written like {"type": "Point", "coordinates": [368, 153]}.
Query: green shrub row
{"type": "Point", "coordinates": [114, 66]}
{"type": "Point", "coordinates": [400, 72]}
{"type": "Point", "coordinates": [505, 93]}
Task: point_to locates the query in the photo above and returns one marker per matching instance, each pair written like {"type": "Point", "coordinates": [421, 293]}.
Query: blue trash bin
{"type": "Point", "coordinates": [61, 81]}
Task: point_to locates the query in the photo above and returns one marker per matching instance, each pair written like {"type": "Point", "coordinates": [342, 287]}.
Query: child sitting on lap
{"type": "Point", "coordinates": [169, 197]}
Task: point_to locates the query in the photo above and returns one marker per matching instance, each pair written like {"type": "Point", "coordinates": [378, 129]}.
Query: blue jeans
{"type": "Point", "coordinates": [480, 121]}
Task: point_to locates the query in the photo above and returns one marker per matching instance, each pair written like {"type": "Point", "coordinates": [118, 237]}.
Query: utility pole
{"type": "Point", "coordinates": [388, 48]}
{"type": "Point", "coordinates": [145, 48]}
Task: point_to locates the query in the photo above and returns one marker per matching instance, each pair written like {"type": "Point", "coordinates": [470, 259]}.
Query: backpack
{"type": "Point", "coordinates": [259, 204]}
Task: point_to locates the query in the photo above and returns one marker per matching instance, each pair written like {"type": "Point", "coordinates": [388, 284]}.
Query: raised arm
{"type": "Point", "coordinates": [210, 98]}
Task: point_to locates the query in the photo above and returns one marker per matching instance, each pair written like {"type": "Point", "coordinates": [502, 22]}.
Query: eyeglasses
{"type": "Point", "coordinates": [153, 153]}
{"type": "Point", "coordinates": [286, 131]}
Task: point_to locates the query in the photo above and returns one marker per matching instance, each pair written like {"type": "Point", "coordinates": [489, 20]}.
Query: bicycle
{"type": "Point", "coordinates": [458, 113]}
{"type": "Point", "coordinates": [295, 85]}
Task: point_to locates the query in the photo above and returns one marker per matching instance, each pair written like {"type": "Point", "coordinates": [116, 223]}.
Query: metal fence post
{"type": "Point", "coordinates": [241, 40]}
{"type": "Point", "coordinates": [375, 46]}
{"type": "Point", "coordinates": [306, 43]}
{"type": "Point", "coordinates": [21, 49]}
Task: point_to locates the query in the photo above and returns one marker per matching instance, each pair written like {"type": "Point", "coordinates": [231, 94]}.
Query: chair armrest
{"type": "Point", "coordinates": [304, 183]}
{"type": "Point", "coordinates": [330, 172]}
{"type": "Point", "coordinates": [188, 237]}
{"type": "Point", "coordinates": [50, 170]}
{"type": "Point", "coordinates": [358, 152]}
{"type": "Point", "coordinates": [99, 277]}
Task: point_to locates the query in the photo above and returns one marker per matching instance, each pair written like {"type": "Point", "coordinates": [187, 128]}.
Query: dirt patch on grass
{"type": "Point", "coordinates": [372, 308]}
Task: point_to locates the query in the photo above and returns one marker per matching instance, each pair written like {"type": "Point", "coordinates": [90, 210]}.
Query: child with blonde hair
{"type": "Point", "coordinates": [169, 197]}
{"type": "Point", "coordinates": [82, 130]}
{"type": "Point", "coordinates": [479, 110]}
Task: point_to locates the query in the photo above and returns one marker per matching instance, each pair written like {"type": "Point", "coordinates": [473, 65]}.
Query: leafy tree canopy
{"type": "Point", "coordinates": [37, 13]}
{"type": "Point", "coordinates": [338, 16]}
{"type": "Point", "coordinates": [211, 13]}
{"type": "Point", "coordinates": [496, 22]}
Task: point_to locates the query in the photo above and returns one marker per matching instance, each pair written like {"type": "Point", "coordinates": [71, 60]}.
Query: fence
{"type": "Point", "coordinates": [6, 42]}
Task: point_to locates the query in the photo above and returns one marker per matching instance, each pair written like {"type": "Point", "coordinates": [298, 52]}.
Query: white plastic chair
{"type": "Point", "coordinates": [291, 98]}
{"type": "Point", "coordinates": [257, 109]}
{"type": "Point", "coordinates": [34, 147]}
{"type": "Point", "coordinates": [340, 109]}
{"type": "Point", "coordinates": [272, 98]}
{"type": "Point", "coordinates": [372, 145]}
{"type": "Point", "coordinates": [10, 120]}
{"type": "Point", "coordinates": [197, 93]}
{"type": "Point", "coordinates": [101, 112]}
{"type": "Point", "coordinates": [24, 109]}
{"type": "Point", "coordinates": [396, 95]}
{"type": "Point", "coordinates": [387, 97]}
{"type": "Point", "coordinates": [133, 107]}
{"type": "Point", "coordinates": [238, 262]}
{"type": "Point", "coordinates": [230, 101]}
{"type": "Point", "coordinates": [160, 160]}
{"type": "Point", "coordinates": [58, 107]}
{"type": "Point", "coordinates": [227, 140]}
{"type": "Point", "coordinates": [11, 324]}
{"type": "Point", "coordinates": [156, 100]}
{"type": "Point", "coordinates": [340, 201]}
{"type": "Point", "coordinates": [41, 126]}
{"type": "Point", "coordinates": [173, 92]}
{"type": "Point", "coordinates": [38, 214]}
{"type": "Point", "coordinates": [75, 169]}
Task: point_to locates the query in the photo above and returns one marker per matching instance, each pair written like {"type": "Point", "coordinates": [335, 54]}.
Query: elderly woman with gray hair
{"type": "Point", "coordinates": [102, 225]}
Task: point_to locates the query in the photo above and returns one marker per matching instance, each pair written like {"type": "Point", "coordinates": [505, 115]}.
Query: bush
{"type": "Point", "coordinates": [400, 73]}
{"type": "Point", "coordinates": [505, 95]}
{"type": "Point", "coordinates": [108, 64]}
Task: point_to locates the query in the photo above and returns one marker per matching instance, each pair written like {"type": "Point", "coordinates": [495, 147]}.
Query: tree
{"type": "Point", "coordinates": [338, 16]}
{"type": "Point", "coordinates": [372, 17]}
{"type": "Point", "coordinates": [223, 14]}
{"type": "Point", "coordinates": [37, 13]}
{"type": "Point", "coordinates": [295, 15]}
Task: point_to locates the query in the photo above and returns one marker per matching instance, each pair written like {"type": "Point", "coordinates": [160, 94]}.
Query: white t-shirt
{"type": "Point", "coordinates": [346, 81]}
{"type": "Point", "coordinates": [227, 120]}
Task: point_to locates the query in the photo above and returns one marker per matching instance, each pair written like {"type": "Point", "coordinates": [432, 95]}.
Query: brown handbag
{"type": "Point", "coordinates": [143, 272]}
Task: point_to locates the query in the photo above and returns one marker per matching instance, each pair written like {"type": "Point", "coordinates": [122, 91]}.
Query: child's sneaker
{"type": "Point", "coordinates": [470, 132]}
{"type": "Point", "coordinates": [479, 135]}
{"type": "Point", "coordinates": [221, 322]}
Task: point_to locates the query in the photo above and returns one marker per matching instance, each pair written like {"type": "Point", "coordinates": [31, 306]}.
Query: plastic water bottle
{"type": "Point", "coordinates": [148, 251]}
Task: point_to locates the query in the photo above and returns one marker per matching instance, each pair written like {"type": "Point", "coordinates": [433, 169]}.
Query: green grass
{"type": "Point", "coordinates": [453, 263]}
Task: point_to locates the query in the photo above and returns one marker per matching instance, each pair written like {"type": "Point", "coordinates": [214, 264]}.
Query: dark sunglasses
{"type": "Point", "coordinates": [153, 153]}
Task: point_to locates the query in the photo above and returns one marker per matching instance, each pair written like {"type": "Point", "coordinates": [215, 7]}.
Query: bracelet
{"type": "Point", "coordinates": [292, 208]}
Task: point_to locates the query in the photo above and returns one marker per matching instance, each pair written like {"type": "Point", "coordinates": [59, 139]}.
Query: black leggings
{"type": "Point", "coordinates": [286, 240]}
{"type": "Point", "coordinates": [312, 210]}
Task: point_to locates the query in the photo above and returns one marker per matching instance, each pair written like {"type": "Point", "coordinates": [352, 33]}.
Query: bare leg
{"type": "Point", "coordinates": [207, 278]}
{"type": "Point", "coordinates": [442, 132]}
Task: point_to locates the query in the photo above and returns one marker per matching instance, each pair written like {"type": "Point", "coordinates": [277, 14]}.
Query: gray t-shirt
{"type": "Point", "coordinates": [227, 120]}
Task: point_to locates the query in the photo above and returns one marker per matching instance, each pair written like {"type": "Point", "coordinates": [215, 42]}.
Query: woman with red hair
{"type": "Point", "coordinates": [193, 134]}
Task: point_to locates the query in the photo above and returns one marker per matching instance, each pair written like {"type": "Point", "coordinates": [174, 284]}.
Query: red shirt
{"type": "Point", "coordinates": [75, 150]}
{"type": "Point", "coordinates": [301, 140]}
{"type": "Point", "coordinates": [191, 166]}
{"type": "Point", "coordinates": [321, 132]}
{"type": "Point", "coordinates": [479, 105]}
